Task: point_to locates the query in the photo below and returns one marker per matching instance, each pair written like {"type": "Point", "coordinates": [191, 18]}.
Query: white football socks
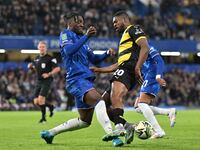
{"type": "Point", "coordinates": [70, 125]}
{"type": "Point", "coordinates": [102, 116]}
{"type": "Point", "coordinates": [148, 114]}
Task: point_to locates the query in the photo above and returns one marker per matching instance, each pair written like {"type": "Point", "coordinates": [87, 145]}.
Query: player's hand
{"type": "Point", "coordinates": [45, 75]}
{"type": "Point", "coordinates": [94, 69]}
{"type": "Point", "coordinates": [161, 81]}
{"type": "Point", "coordinates": [138, 75]}
{"type": "Point", "coordinates": [111, 52]}
{"type": "Point", "coordinates": [91, 31]}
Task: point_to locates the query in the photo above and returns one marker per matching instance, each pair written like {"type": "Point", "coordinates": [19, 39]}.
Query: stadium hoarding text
{"type": "Point", "coordinates": [30, 42]}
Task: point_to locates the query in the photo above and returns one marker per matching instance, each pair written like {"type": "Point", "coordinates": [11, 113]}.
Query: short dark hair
{"type": "Point", "coordinates": [121, 13]}
{"type": "Point", "coordinates": [71, 15]}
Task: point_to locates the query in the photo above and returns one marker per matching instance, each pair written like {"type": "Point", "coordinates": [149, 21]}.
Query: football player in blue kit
{"type": "Point", "coordinates": [77, 56]}
{"type": "Point", "coordinates": [152, 71]}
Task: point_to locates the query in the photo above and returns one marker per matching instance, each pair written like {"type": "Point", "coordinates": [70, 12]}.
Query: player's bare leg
{"type": "Point", "coordinates": [116, 112]}
{"type": "Point", "coordinates": [117, 93]}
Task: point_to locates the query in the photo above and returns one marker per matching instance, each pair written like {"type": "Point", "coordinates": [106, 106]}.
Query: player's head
{"type": "Point", "coordinates": [42, 47]}
{"type": "Point", "coordinates": [75, 22]}
{"type": "Point", "coordinates": [120, 21]}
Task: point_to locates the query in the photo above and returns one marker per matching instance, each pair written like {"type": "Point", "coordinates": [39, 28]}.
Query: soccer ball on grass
{"type": "Point", "coordinates": [143, 130]}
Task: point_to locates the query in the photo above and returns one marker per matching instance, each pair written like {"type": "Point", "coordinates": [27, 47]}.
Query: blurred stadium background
{"type": "Point", "coordinates": [173, 27]}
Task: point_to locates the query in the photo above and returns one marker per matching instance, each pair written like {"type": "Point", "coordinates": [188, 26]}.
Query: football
{"type": "Point", "coordinates": [143, 130]}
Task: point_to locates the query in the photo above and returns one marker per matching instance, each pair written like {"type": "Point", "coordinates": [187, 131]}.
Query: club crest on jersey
{"type": "Point", "coordinates": [43, 65]}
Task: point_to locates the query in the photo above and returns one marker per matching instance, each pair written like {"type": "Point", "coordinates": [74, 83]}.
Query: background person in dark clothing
{"type": "Point", "coordinates": [45, 66]}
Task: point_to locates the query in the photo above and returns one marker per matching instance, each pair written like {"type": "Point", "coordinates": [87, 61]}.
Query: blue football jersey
{"type": "Point", "coordinates": [76, 55]}
{"type": "Point", "coordinates": [77, 63]}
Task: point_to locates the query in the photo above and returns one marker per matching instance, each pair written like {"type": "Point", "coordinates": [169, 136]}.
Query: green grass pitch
{"type": "Point", "coordinates": [20, 131]}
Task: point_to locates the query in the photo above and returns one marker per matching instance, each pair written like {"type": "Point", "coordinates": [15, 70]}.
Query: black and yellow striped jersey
{"type": "Point", "coordinates": [128, 48]}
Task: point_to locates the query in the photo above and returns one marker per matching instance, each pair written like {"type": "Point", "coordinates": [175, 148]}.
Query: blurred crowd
{"type": "Point", "coordinates": [183, 89]}
{"type": "Point", "coordinates": [160, 19]}
{"type": "Point", "coordinates": [16, 90]}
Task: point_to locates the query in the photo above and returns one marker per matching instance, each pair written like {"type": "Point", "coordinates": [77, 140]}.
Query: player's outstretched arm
{"type": "Point", "coordinates": [107, 69]}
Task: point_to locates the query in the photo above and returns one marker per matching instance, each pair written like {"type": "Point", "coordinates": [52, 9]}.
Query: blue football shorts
{"type": "Point", "coordinates": [78, 89]}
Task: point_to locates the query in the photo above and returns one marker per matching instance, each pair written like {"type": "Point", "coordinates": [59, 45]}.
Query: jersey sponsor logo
{"type": "Point", "coordinates": [43, 65]}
